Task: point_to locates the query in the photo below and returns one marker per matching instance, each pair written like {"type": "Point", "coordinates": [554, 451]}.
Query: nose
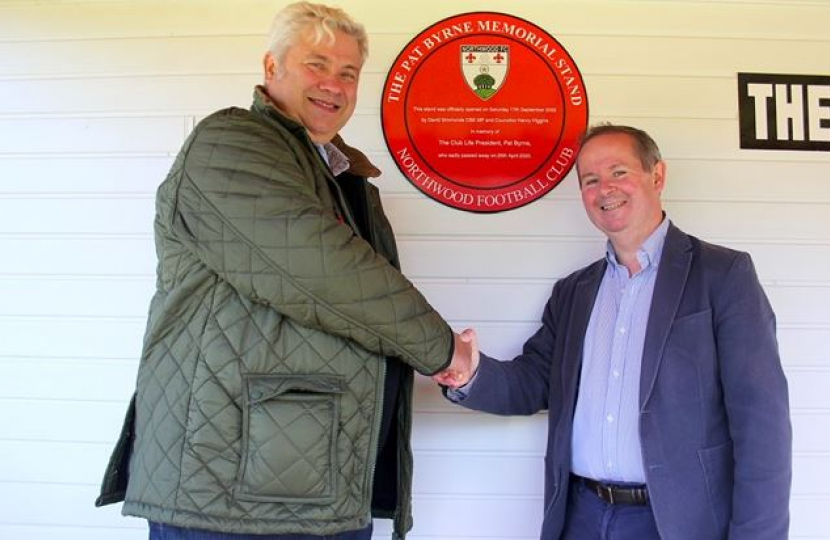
{"type": "Point", "coordinates": [331, 84]}
{"type": "Point", "coordinates": [607, 184]}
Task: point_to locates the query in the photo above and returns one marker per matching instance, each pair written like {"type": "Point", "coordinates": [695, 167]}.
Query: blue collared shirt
{"type": "Point", "coordinates": [334, 158]}
{"type": "Point", "coordinates": [605, 443]}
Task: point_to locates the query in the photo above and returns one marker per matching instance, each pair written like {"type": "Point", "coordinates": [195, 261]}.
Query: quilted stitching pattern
{"type": "Point", "coordinates": [304, 466]}
{"type": "Point", "coordinates": [256, 276]}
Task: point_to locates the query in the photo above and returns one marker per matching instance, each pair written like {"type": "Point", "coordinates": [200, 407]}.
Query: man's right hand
{"type": "Point", "coordinates": [464, 361]}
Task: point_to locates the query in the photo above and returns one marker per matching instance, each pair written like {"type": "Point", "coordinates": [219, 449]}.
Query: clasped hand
{"type": "Point", "coordinates": [464, 361]}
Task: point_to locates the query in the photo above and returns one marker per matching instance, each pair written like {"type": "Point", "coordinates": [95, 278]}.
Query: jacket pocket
{"type": "Point", "coordinates": [289, 438]}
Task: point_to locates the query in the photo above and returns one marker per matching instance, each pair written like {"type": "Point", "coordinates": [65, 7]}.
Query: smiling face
{"type": "Point", "coordinates": [316, 84]}
{"type": "Point", "coordinates": [621, 197]}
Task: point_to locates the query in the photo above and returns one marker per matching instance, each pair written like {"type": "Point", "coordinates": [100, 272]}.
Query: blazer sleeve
{"type": "Point", "coordinates": [519, 386]}
{"type": "Point", "coordinates": [756, 397]}
{"type": "Point", "coordinates": [245, 206]}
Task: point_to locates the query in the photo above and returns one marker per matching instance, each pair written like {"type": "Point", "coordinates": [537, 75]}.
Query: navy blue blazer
{"type": "Point", "coordinates": [714, 412]}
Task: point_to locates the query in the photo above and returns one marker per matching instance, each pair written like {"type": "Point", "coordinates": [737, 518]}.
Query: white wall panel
{"type": "Point", "coordinates": [72, 337]}
{"type": "Point", "coordinates": [57, 176]}
{"type": "Point", "coordinates": [97, 135]}
{"type": "Point", "coordinates": [175, 94]}
{"type": "Point", "coordinates": [34, 378]}
{"type": "Point", "coordinates": [91, 297]}
{"type": "Point", "coordinates": [78, 255]}
{"type": "Point", "coordinates": [88, 215]}
{"type": "Point", "coordinates": [123, 532]}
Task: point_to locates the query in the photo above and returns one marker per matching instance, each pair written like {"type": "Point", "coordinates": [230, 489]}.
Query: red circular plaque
{"type": "Point", "coordinates": [484, 111]}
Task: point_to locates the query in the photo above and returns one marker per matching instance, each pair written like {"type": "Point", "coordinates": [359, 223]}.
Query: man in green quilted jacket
{"type": "Point", "coordinates": [274, 393]}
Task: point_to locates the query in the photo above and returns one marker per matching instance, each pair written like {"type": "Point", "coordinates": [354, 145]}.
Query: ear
{"type": "Point", "coordinates": [269, 66]}
{"type": "Point", "coordinates": [659, 173]}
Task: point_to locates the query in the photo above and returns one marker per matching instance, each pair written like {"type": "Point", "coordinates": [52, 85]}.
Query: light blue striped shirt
{"type": "Point", "coordinates": [605, 443]}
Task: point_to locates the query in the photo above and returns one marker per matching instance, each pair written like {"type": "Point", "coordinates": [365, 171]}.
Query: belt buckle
{"type": "Point", "coordinates": [606, 492]}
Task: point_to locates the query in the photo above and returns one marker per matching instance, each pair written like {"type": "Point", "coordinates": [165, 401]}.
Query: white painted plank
{"type": "Point", "coordinates": [804, 347]}
{"type": "Point", "coordinates": [31, 378]}
{"type": "Point", "coordinates": [808, 387]}
{"type": "Point", "coordinates": [810, 430]}
{"type": "Point", "coordinates": [43, 532]}
{"type": "Point", "coordinates": [59, 420]}
{"type": "Point", "coordinates": [800, 305]}
{"type": "Point", "coordinates": [68, 215]}
{"type": "Point", "coordinates": [59, 505]}
{"type": "Point", "coordinates": [99, 135]}
{"type": "Point", "coordinates": [36, 462]}
{"type": "Point", "coordinates": [89, 19]}
{"type": "Point", "coordinates": [173, 95]}
{"type": "Point", "coordinates": [809, 517]}
{"type": "Point", "coordinates": [72, 337]}
{"type": "Point", "coordinates": [127, 57]}
{"type": "Point", "coordinates": [80, 175]}
{"type": "Point", "coordinates": [74, 298]}
{"type": "Point", "coordinates": [55, 255]}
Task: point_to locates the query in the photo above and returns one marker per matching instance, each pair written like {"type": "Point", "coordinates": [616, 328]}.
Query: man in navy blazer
{"type": "Point", "coordinates": [668, 411]}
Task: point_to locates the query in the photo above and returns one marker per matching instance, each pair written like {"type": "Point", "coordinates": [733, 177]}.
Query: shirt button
{"type": "Point", "coordinates": [622, 330]}
{"type": "Point", "coordinates": [610, 418]}
{"type": "Point", "coordinates": [616, 374]}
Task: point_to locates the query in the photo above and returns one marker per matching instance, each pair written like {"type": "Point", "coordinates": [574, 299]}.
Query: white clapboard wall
{"type": "Point", "coordinates": [97, 96]}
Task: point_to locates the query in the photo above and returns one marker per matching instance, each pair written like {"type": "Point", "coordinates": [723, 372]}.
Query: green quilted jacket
{"type": "Point", "coordinates": [260, 387]}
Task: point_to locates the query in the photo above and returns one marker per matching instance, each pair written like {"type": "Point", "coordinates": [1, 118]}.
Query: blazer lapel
{"type": "Point", "coordinates": [668, 290]}
{"type": "Point", "coordinates": [585, 294]}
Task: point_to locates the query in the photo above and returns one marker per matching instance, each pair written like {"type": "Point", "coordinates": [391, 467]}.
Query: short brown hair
{"type": "Point", "coordinates": [647, 149]}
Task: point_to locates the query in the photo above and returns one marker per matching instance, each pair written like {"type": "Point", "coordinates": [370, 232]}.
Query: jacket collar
{"type": "Point", "coordinates": [359, 164]}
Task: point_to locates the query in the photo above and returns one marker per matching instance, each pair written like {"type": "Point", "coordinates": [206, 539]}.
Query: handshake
{"type": "Point", "coordinates": [464, 361]}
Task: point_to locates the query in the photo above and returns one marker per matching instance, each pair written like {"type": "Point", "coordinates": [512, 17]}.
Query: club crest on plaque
{"type": "Point", "coordinates": [485, 68]}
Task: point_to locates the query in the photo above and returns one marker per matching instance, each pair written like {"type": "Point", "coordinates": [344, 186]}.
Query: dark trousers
{"type": "Point", "coordinates": [590, 518]}
{"type": "Point", "coordinates": [160, 531]}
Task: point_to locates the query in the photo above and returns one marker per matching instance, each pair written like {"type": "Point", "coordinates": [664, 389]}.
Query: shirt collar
{"type": "Point", "coordinates": [650, 252]}
{"type": "Point", "coordinates": [334, 158]}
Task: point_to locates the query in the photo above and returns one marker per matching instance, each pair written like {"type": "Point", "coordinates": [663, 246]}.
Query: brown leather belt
{"type": "Point", "coordinates": [614, 494]}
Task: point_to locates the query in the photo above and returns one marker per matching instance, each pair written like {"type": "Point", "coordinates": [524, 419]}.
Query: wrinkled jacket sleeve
{"type": "Point", "coordinates": [519, 386]}
{"type": "Point", "coordinates": [757, 403]}
{"type": "Point", "coordinates": [247, 208]}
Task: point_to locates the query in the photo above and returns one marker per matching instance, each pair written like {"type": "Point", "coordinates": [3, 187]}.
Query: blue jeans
{"type": "Point", "coordinates": [590, 518]}
{"type": "Point", "coordinates": [160, 531]}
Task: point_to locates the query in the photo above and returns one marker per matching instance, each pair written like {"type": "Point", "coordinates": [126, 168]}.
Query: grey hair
{"type": "Point", "coordinates": [647, 150]}
{"type": "Point", "coordinates": [294, 20]}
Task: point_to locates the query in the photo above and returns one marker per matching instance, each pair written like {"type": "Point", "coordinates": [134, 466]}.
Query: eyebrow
{"type": "Point", "coordinates": [317, 56]}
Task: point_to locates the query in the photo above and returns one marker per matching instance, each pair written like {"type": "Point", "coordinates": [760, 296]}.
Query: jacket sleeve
{"type": "Point", "coordinates": [519, 386]}
{"type": "Point", "coordinates": [757, 405]}
{"type": "Point", "coordinates": [247, 207]}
